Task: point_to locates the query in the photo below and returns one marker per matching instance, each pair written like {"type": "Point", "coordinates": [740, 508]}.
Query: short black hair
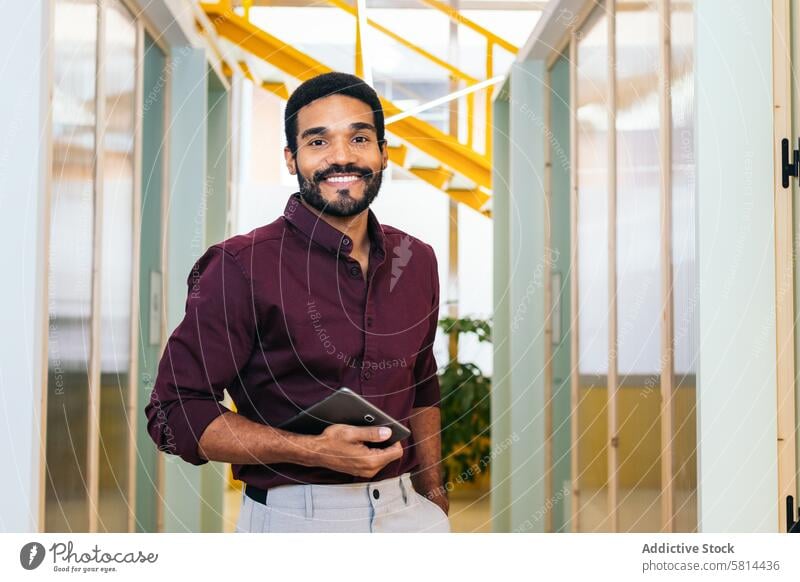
{"type": "Point", "coordinates": [333, 83]}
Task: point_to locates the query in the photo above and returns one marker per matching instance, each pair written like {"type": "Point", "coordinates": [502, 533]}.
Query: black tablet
{"type": "Point", "coordinates": [345, 407]}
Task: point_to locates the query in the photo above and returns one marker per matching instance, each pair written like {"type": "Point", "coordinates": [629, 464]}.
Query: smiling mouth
{"type": "Point", "coordinates": [340, 180]}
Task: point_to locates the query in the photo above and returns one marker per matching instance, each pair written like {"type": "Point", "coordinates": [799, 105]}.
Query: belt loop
{"type": "Point", "coordinates": [309, 502]}
{"type": "Point", "coordinates": [403, 489]}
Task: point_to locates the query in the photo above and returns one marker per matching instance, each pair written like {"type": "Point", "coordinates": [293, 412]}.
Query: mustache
{"type": "Point", "coordinates": [321, 175]}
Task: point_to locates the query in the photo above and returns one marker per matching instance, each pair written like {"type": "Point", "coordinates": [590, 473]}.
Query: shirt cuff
{"type": "Point", "coordinates": [188, 421]}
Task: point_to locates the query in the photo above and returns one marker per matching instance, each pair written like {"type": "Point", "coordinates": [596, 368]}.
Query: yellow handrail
{"type": "Point", "coordinates": [456, 16]}
{"type": "Point", "coordinates": [488, 112]}
{"type": "Point", "coordinates": [455, 71]}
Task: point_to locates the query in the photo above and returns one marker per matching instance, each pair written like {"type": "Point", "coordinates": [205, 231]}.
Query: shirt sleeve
{"type": "Point", "coordinates": [425, 368]}
{"type": "Point", "coordinates": [203, 355]}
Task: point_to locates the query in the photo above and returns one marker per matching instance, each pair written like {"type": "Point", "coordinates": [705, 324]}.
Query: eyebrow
{"type": "Point", "coordinates": [322, 130]}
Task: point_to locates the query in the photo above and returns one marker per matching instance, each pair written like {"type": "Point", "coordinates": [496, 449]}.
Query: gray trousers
{"type": "Point", "coordinates": [390, 505]}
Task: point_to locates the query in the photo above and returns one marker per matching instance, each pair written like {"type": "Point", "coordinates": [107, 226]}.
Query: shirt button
{"type": "Point", "coordinates": [369, 322]}
{"type": "Point", "coordinates": [355, 271]}
{"type": "Point", "coordinates": [376, 494]}
{"type": "Point", "coordinates": [367, 374]}
{"type": "Point", "coordinates": [345, 242]}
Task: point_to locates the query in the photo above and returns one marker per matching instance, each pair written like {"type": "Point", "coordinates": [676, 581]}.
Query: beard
{"type": "Point", "coordinates": [343, 205]}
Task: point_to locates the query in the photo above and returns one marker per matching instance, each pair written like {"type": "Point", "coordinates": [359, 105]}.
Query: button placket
{"type": "Point", "coordinates": [366, 372]}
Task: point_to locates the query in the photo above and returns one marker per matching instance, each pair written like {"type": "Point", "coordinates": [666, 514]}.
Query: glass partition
{"type": "Point", "coordinates": [684, 282]}
{"type": "Point", "coordinates": [116, 424]}
{"type": "Point", "coordinates": [640, 242]}
{"type": "Point", "coordinates": [592, 272]}
{"type": "Point", "coordinates": [70, 265]}
{"type": "Point", "coordinates": [639, 289]}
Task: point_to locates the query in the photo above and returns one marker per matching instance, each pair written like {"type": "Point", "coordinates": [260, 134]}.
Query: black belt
{"type": "Point", "coordinates": [260, 495]}
{"type": "Point", "coordinates": [256, 494]}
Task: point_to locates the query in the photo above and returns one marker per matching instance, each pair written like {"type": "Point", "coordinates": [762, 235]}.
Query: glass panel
{"type": "Point", "coordinates": [70, 265]}
{"type": "Point", "coordinates": [153, 155]}
{"type": "Point", "coordinates": [638, 266]}
{"type": "Point", "coordinates": [684, 283]}
{"type": "Point", "coordinates": [117, 267]}
{"type": "Point", "coordinates": [559, 141]}
{"type": "Point", "coordinates": [592, 169]}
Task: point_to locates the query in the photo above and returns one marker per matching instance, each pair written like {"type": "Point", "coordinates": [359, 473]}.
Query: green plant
{"type": "Point", "coordinates": [466, 415]}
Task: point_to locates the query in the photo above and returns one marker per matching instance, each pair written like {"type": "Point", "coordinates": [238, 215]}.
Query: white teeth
{"type": "Point", "coordinates": [341, 178]}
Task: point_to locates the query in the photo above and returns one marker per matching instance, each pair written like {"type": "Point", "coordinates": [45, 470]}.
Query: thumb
{"type": "Point", "coordinates": [373, 434]}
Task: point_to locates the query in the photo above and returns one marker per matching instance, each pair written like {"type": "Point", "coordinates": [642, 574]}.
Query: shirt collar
{"type": "Point", "coordinates": [326, 235]}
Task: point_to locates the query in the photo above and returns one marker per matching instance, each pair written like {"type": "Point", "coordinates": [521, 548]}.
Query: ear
{"type": "Point", "coordinates": [291, 163]}
{"type": "Point", "coordinates": [384, 154]}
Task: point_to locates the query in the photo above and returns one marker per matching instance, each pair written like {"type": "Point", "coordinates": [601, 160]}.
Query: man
{"type": "Point", "coordinates": [323, 297]}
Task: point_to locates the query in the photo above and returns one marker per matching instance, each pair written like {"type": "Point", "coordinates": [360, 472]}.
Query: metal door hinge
{"type": "Point", "coordinates": [792, 526]}
{"type": "Point", "coordinates": [789, 167]}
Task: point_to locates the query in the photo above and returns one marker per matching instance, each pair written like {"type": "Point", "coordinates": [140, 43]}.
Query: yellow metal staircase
{"type": "Point", "coordinates": [453, 157]}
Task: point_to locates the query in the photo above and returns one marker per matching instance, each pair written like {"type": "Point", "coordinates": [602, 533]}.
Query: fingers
{"type": "Point", "coordinates": [377, 459]}
{"type": "Point", "coordinates": [347, 445]}
{"type": "Point", "coordinates": [388, 454]}
{"type": "Point", "coordinates": [371, 434]}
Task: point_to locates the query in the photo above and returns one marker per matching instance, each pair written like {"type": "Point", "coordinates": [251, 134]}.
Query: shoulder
{"type": "Point", "coordinates": [244, 248]}
{"type": "Point", "coordinates": [253, 240]}
{"type": "Point", "coordinates": [399, 242]}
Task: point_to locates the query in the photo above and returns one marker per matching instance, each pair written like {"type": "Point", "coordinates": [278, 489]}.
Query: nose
{"type": "Point", "coordinates": [340, 153]}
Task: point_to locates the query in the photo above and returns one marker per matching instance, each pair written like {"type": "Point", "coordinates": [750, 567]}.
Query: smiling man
{"type": "Point", "coordinates": [323, 297]}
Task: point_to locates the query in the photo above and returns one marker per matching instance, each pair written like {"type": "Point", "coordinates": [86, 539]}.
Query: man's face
{"type": "Point", "coordinates": [339, 162]}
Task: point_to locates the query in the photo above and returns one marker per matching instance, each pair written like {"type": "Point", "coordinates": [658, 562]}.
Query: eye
{"type": "Point", "coordinates": [362, 137]}
{"type": "Point", "coordinates": [315, 142]}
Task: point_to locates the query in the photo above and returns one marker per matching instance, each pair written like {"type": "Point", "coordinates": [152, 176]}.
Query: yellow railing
{"type": "Point", "coordinates": [455, 71]}
{"type": "Point", "coordinates": [492, 40]}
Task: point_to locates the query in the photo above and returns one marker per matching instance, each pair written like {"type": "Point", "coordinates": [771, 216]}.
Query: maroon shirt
{"type": "Point", "coordinates": [281, 317]}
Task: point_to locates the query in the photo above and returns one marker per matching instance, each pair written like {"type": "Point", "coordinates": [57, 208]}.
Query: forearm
{"type": "Point", "coordinates": [426, 426]}
{"type": "Point", "coordinates": [232, 438]}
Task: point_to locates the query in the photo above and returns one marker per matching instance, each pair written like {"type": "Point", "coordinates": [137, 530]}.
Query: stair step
{"type": "Point", "coordinates": [475, 198]}
{"type": "Point", "coordinates": [397, 154]}
{"type": "Point", "coordinates": [437, 177]}
{"type": "Point", "coordinates": [459, 182]}
{"type": "Point", "coordinates": [418, 159]}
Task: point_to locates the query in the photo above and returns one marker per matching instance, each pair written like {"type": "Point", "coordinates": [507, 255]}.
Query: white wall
{"type": "Point", "coordinates": [736, 386]}
{"type": "Point", "coordinates": [24, 164]}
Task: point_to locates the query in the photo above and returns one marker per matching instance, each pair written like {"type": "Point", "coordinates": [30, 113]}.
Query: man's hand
{"type": "Point", "coordinates": [341, 448]}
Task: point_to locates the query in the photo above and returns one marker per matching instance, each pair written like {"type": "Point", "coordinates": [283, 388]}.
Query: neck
{"type": "Point", "coordinates": [353, 226]}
